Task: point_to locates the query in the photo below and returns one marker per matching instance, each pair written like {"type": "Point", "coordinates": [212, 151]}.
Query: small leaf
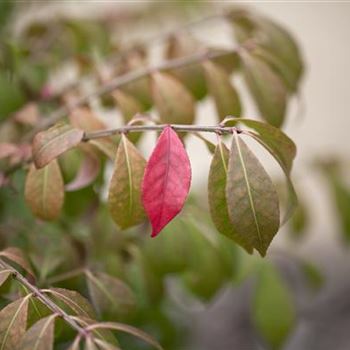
{"type": "Point", "coordinates": [88, 170]}
{"type": "Point", "coordinates": [109, 294]}
{"type": "Point", "coordinates": [40, 336]}
{"type": "Point", "coordinates": [221, 89]}
{"type": "Point", "coordinates": [127, 329]}
{"type": "Point", "coordinates": [73, 300]}
{"type": "Point", "coordinates": [49, 144]}
{"type": "Point", "coordinates": [124, 196]}
{"type": "Point", "coordinates": [267, 89]}
{"type": "Point", "coordinates": [217, 196]}
{"type": "Point", "coordinates": [13, 322]}
{"type": "Point", "coordinates": [129, 107]}
{"type": "Point", "coordinates": [15, 255]}
{"type": "Point", "coordinates": [174, 103]}
{"type": "Point", "coordinates": [273, 312]}
{"type": "Point", "coordinates": [106, 146]}
{"type": "Point", "coordinates": [44, 191]}
{"type": "Point", "coordinates": [167, 180]}
{"type": "Point", "coordinates": [192, 76]}
{"type": "Point", "coordinates": [251, 197]}
{"type": "Point", "coordinates": [83, 118]}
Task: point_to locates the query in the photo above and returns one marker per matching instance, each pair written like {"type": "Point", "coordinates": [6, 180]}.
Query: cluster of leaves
{"type": "Point", "coordinates": [119, 269]}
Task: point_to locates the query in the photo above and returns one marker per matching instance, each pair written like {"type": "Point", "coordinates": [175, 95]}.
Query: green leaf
{"type": "Point", "coordinates": [281, 44]}
{"type": "Point", "coordinates": [217, 196]}
{"type": "Point", "coordinates": [210, 146]}
{"type": "Point", "coordinates": [129, 107]}
{"type": "Point", "coordinates": [266, 87]}
{"type": "Point", "coordinates": [44, 191]}
{"type": "Point", "coordinates": [73, 300]}
{"type": "Point", "coordinates": [49, 144]}
{"type": "Point", "coordinates": [13, 322]}
{"type": "Point", "coordinates": [109, 294]}
{"type": "Point", "coordinates": [251, 197]}
{"type": "Point", "coordinates": [275, 141]}
{"type": "Point", "coordinates": [124, 196]}
{"type": "Point", "coordinates": [173, 101]}
{"type": "Point", "coordinates": [106, 146]}
{"type": "Point", "coordinates": [40, 336]}
{"type": "Point", "coordinates": [273, 310]}
{"type": "Point", "coordinates": [192, 76]}
{"type": "Point", "coordinates": [221, 89]}
{"type": "Point", "coordinates": [283, 149]}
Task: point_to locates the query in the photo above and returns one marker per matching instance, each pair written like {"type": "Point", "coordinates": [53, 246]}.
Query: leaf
{"type": "Point", "coordinates": [192, 75]}
{"type": "Point", "coordinates": [217, 196]}
{"type": "Point", "coordinates": [83, 118]}
{"type": "Point", "coordinates": [167, 180]}
{"type": "Point", "coordinates": [49, 144]}
{"type": "Point", "coordinates": [44, 191]}
{"type": "Point", "coordinates": [73, 300]}
{"type": "Point", "coordinates": [40, 336]}
{"type": "Point", "coordinates": [283, 149]}
{"type": "Point", "coordinates": [13, 322]}
{"type": "Point", "coordinates": [15, 255]}
{"type": "Point", "coordinates": [174, 103]}
{"type": "Point", "coordinates": [89, 344]}
{"type": "Point", "coordinates": [88, 170]}
{"type": "Point", "coordinates": [129, 107]}
{"type": "Point", "coordinates": [267, 89]}
{"type": "Point", "coordinates": [124, 198]}
{"type": "Point", "coordinates": [282, 45]}
{"type": "Point", "coordinates": [275, 141]}
{"type": "Point", "coordinates": [105, 346]}
{"type": "Point", "coordinates": [273, 310]}
{"type": "Point", "coordinates": [251, 197]}
{"type": "Point", "coordinates": [221, 89]}
{"type": "Point", "coordinates": [127, 329]}
{"type": "Point", "coordinates": [109, 294]}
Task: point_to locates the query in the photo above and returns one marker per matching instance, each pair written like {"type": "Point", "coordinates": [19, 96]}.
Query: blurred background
{"type": "Point", "coordinates": [193, 307]}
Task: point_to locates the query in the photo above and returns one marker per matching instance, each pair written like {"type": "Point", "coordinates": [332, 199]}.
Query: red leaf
{"type": "Point", "coordinates": [166, 181]}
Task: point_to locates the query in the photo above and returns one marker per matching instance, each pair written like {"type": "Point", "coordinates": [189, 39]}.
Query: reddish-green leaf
{"type": "Point", "coordinates": [44, 191]}
{"type": "Point", "coordinates": [40, 336]}
{"type": "Point", "coordinates": [49, 144]}
{"type": "Point", "coordinates": [173, 101]}
{"type": "Point", "coordinates": [251, 197]}
{"type": "Point", "coordinates": [4, 275]}
{"type": "Point", "coordinates": [124, 197]}
{"type": "Point", "coordinates": [221, 89]}
{"type": "Point", "coordinates": [167, 180]}
{"type": "Point", "coordinates": [267, 89]}
{"type": "Point", "coordinates": [13, 322]}
{"type": "Point", "coordinates": [217, 196]}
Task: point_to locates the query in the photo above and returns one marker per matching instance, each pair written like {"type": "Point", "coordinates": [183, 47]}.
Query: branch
{"type": "Point", "coordinates": [45, 300]}
{"type": "Point", "coordinates": [123, 80]}
{"type": "Point", "coordinates": [177, 127]}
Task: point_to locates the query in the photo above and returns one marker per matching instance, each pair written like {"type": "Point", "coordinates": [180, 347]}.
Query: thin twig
{"type": "Point", "coordinates": [137, 128]}
{"type": "Point", "coordinates": [123, 80]}
{"type": "Point", "coordinates": [44, 299]}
